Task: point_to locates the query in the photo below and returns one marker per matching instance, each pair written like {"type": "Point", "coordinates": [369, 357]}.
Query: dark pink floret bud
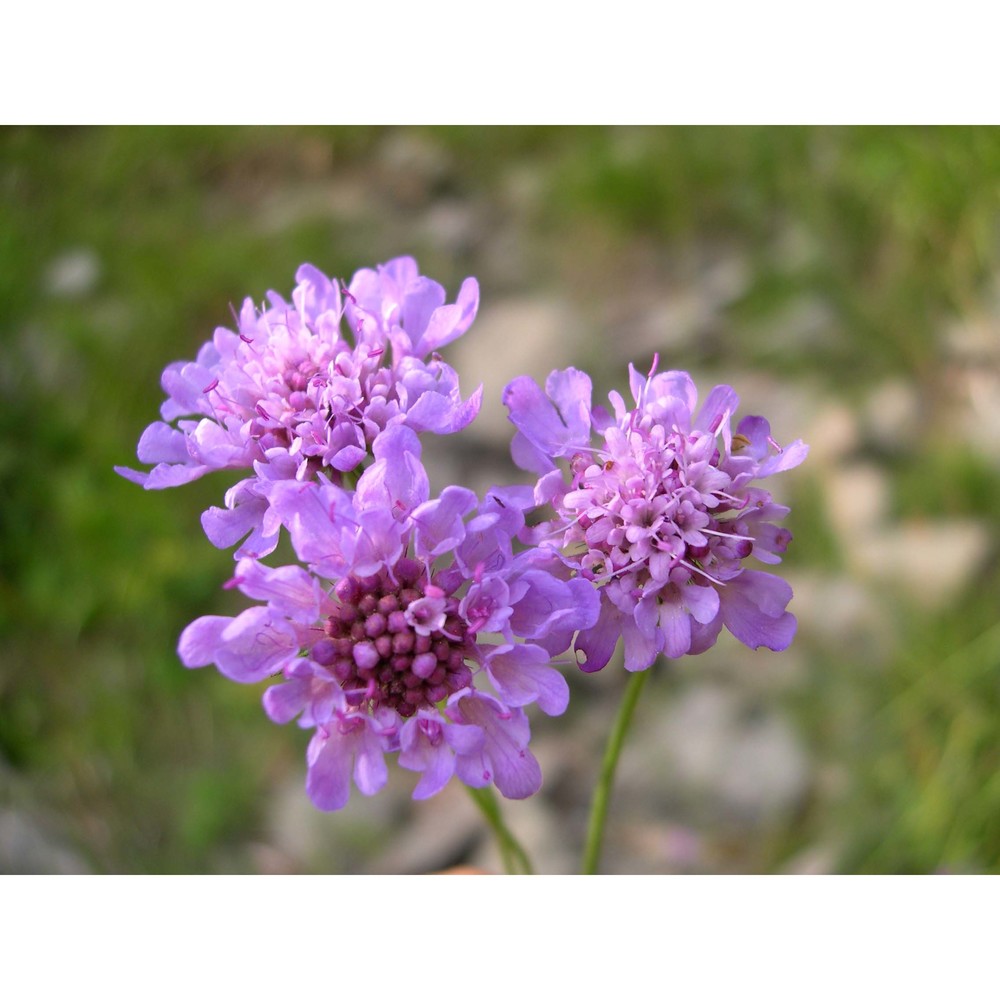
{"type": "Point", "coordinates": [424, 665]}
{"type": "Point", "coordinates": [402, 642]}
{"type": "Point", "coordinates": [365, 655]}
{"type": "Point", "coordinates": [375, 625]}
{"type": "Point", "coordinates": [324, 652]}
{"type": "Point", "coordinates": [346, 613]}
{"type": "Point", "coordinates": [408, 571]}
{"type": "Point", "coordinates": [388, 604]}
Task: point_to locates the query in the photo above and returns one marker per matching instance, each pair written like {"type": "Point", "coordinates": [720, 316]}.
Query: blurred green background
{"type": "Point", "coordinates": [844, 280]}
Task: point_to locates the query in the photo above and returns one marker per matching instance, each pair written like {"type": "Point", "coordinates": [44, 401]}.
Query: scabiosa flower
{"type": "Point", "coordinates": [415, 631]}
{"type": "Point", "coordinates": [289, 395]}
{"type": "Point", "coordinates": [660, 513]}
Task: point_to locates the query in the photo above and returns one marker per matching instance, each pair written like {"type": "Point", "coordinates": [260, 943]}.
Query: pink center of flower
{"type": "Point", "coordinates": [395, 640]}
{"type": "Point", "coordinates": [653, 511]}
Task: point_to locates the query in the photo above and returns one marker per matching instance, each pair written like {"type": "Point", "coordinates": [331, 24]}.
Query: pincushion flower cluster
{"type": "Point", "coordinates": [414, 629]}
{"type": "Point", "coordinates": [421, 625]}
{"type": "Point", "coordinates": [292, 393]}
{"type": "Point", "coordinates": [657, 507]}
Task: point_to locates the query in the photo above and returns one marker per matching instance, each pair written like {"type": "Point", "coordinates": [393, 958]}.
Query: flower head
{"type": "Point", "coordinates": [415, 631]}
{"type": "Point", "coordinates": [660, 512]}
{"type": "Point", "coordinates": [289, 394]}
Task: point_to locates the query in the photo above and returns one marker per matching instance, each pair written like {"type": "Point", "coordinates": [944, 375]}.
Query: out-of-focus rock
{"type": "Point", "coordinates": [857, 500]}
{"type": "Point", "coordinates": [511, 338]}
{"type": "Point", "coordinates": [838, 610]}
{"type": "Point", "coordinates": [410, 165]}
{"type": "Point", "coordinates": [28, 848]}
{"type": "Point", "coordinates": [892, 414]}
{"type": "Point", "coordinates": [721, 755]}
{"type": "Point", "coordinates": [303, 839]}
{"type": "Point", "coordinates": [73, 274]}
{"type": "Point", "coordinates": [931, 560]}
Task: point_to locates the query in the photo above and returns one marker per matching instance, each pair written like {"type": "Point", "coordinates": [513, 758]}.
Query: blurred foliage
{"type": "Point", "coordinates": [889, 232]}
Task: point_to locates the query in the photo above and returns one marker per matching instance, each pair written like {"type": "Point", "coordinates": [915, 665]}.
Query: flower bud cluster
{"type": "Point", "coordinates": [395, 640]}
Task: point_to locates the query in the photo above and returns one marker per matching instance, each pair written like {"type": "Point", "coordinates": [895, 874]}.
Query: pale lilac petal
{"type": "Point", "coordinates": [704, 636]}
{"type": "Point", "coordinates": [328, 780]}
{"type": "Point", "coordinates": [425, 747]}
{"type": "Point", "coordinates": [165, 476]}
{"type": "Point", "coordinates": [201, 639]}
{"type": "Point", "coordinates": [289, 590]}
{"type": "Point", "coordinates": [347, 458]}
{"type": "Point", "coordinates": [438, 413]}
{"type": "Point", "coordinates": [162, 443]}
{"type": "Point", "coordinates": [421, 298]}
{"type": "Point", "coordinates": [486, 605]}
{"type": "Point", "coordinates": [675, 386]}
{"type": "Point", "coordinates": [439, 523]}
{"type": "Point", "coordinates": [528, 456]}
{"type": "Point", "coordinates": [255, 645]}
{"type": "Point", "coordinates": [131, 475]}
{"type": "Point", "coordinates": [701, 602]}
{"type": "Point", "coordinates": [536, 417]}
{"type": "Point", "coordinates": [522, 675]}
{"type": "Point", "coordinates": [464, 739]}
{"type": "Point", "coordinates": [449, 322]}
{"type": "Point", "coordinates": [598, 642]}
{"type": "Point", "coordinates": [225, 528]}
{"type": "Point", "coordinates": [283, 702]}
{"type": "Point", "coordinates": [185, 384]}
{"type": "Point", "coordinates": [571, 391]}
{"type": "Point", "coordinates": [758, 431]}
{"type": "Point", "coordinates": [753, 610]}
{"type": "Point", "coordinates": [550, 604]}
{"type": "Point", "coordinates": [370, 771]}
{"type": "Point", "coordinates": [397, 480]}
{"type": "Point", "coordinates": [675, 627]}
{"type": "Point", "coordinates": [437, 772]}
{"type": "Point", "coordinates": [717, 410]}
{"type": "Point", "coordinates": [789, 457]}
{"type": "Point", "coordinates": [316, 294]}
{"type": "Point", "coordinates": [640, 649]}
{"type": "Point", "coordinates": [315, 516]}
{"type": "Point", "coordinates": [505, 759]}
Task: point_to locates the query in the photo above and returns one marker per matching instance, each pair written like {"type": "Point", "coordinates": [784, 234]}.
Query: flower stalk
{"type": "Point", "coordinates": [602, 790]}
{"type": "Point", "coordinates": [515, 858]}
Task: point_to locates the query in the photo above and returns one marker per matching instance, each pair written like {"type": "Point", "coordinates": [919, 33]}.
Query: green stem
{"type": "Point", "coordinates": [602, 791]}
{"type": "Point", "coordinates": [515, 858]}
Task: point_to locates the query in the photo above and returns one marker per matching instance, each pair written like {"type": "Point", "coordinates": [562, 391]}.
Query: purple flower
{"type": "Point", "coordinates": [289, 395]}
{"type": "Point", "coordinates": [415, 631]}
{"type": "Point", "coordinates": [659, 512]}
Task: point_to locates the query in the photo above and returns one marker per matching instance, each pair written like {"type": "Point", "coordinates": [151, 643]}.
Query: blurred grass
{"type": "Point", "coordinates": [892, 233]}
